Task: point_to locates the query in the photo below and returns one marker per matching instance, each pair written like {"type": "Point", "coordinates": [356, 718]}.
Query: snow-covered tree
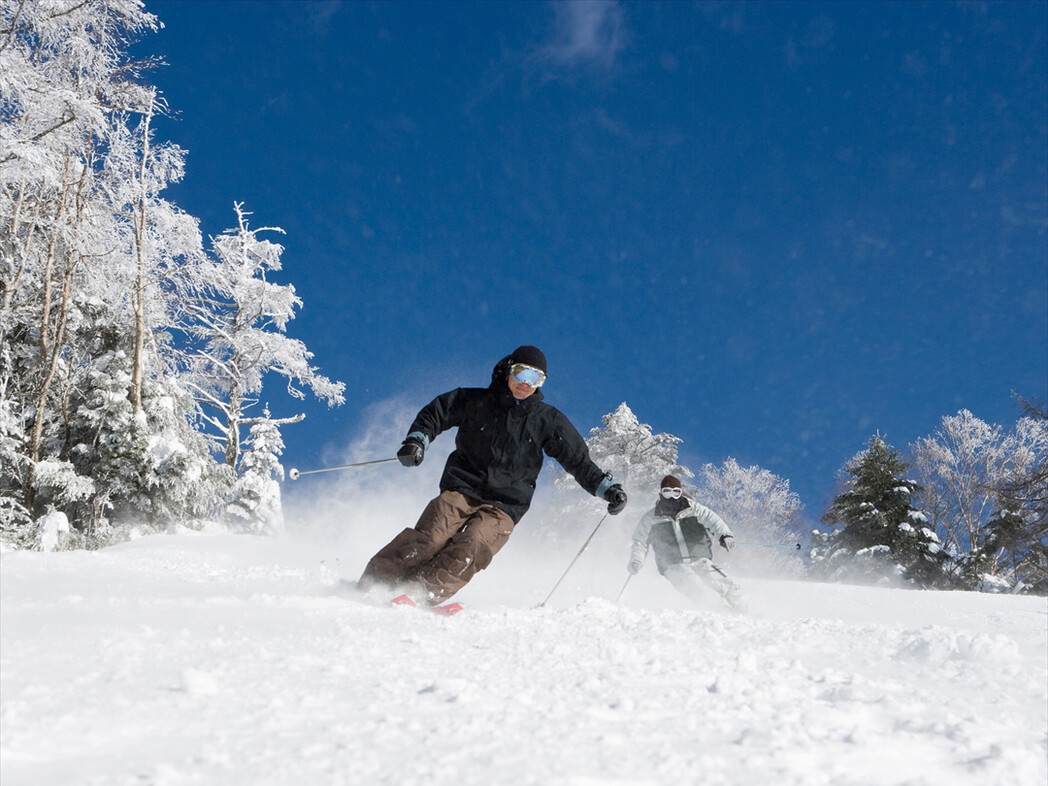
{"type": "Point", "coordinates": [65, 79]}
{"type": "Point", "coordinates": [100, 292]}
{"type": "Point", "coordinates": [161, 243]}
{"type": "Point", "coordinates": [878, 535]}
{"type": "Point", "coordinates": [760, 509]}
{"type": "Point", "coordinates": [255, 504]}
{"type": "Point", "coordinates": [60, 486]}
{"type": "Point", "coordinates": [238, 330]}
{"type": "Point", "coordinates": [151, 467]}
{"type": "Point", "coordinates": [15, 466]}
{"type": "Point", "coordinates": [126, 407]}
{"type": "Point", "coordinates": [636, 458]}
{"type": "Point", "coordinates": [966, 468]}
{"type": "Point", "coordinates": [182, 481]}
{"type": "Point", "coordinates": [1021, 528]}
{"type": "Point", "coordinates": [957, 465]}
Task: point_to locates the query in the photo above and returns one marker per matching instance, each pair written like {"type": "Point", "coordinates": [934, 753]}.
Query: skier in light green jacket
{"type": "Point", "coordinates": [679, 531]}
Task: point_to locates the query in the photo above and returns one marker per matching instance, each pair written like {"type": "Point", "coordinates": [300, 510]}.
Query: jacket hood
{"type": "Point", "coordinates": [500, 373]}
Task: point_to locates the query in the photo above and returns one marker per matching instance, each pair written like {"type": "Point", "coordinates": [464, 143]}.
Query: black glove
{"type": "Point", "coordinates": [727, 542]}
{"type": "Point", "coordinates": [411, 452]}
{"type": "Point", "coordinates": [616, 499]}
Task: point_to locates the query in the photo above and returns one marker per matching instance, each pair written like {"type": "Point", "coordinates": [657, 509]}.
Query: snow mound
{"type": "Point", "coordinates": [938, 646]}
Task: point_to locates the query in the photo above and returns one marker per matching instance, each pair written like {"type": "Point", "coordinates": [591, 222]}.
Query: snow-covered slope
{"type": "Point", "coordinates": [214, 659]}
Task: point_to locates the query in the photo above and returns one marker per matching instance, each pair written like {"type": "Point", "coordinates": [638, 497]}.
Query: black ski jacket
{"type": "Point", "coordinates": [501, 441]}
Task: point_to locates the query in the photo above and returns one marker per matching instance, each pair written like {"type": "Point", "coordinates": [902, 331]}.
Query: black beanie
{"type": "Point", "coordinates": [670, 482]}
{"type": "Point", "coordinates": [529, 356]}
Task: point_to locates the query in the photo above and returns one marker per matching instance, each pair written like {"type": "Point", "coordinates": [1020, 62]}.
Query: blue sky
{"type": "Point", "coordinates": [773, 229]}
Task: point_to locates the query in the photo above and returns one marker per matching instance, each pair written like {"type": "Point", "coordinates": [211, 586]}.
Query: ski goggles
{"type": "Point", "coordinates": [671, 492]}
{"type": "Point", "coordinates": [527, 375]}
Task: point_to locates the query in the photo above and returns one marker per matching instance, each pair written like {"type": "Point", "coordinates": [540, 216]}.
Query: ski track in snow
{"type": "Point", "coordinates": [215, 659]}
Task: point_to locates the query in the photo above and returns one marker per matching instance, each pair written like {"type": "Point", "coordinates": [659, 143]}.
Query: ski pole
{"type": "Point", "coordinates": [295, 474]}
{"type": "Point", "coordinates": [795, 546]}
{"type": "Point", "coordinates": [584, 545]}
{"type": "Point", "coordinates": [630, 576]}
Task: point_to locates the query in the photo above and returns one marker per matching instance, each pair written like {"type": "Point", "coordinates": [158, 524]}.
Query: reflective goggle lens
{"type": "Point", "coordinates": [671, 493]}
{"type": "Point", "coordinates": [527, 375]}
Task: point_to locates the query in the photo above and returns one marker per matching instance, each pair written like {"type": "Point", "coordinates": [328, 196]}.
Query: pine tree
{"type": "Point", "coordinates": [15, 520]}
{"type": "Point", "coordinates": [182, 484]}
{"type": "Point", "coordinates": [1020, 529]}
{"type": "Point", "coordinates": [254, 504]}
{"type": "Point", "coordinates": [878, 535]}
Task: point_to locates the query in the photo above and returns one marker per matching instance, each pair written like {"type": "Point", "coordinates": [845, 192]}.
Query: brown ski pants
{"type": "Point", "coordinates": [455, 537]}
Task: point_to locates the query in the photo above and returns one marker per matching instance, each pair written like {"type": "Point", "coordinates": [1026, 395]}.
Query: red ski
{"type": "Point", "coordinates": [446, 610]}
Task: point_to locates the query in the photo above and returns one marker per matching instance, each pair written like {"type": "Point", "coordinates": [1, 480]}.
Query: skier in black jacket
{"type": "Point", "coordinates": [504, 431]}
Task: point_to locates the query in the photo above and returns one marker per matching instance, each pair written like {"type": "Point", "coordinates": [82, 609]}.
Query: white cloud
{"type": "Point", "coordinates": [586, 32]}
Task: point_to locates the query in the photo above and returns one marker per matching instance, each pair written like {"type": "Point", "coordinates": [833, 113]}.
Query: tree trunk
{"type": "Point", "coordinates": [48, 350]}
{"type": "Point", "coordinates": [52, 366]}
{"type": "Point", "coordinates": [138, 296]}
{"type": "Point", "coordinates": [236, 400]}
{"type": "Point", "coordinates": [18, 269]}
